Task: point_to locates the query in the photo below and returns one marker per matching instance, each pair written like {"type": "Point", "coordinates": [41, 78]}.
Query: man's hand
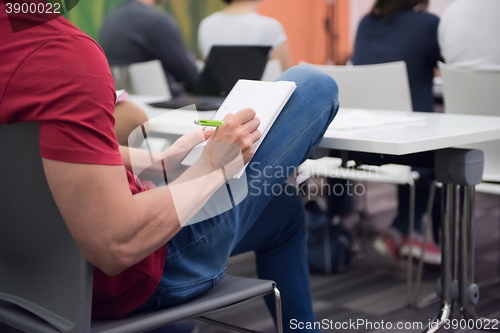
{"type": "Point", "coordinates": [174, 155]}
{"type": "Point", "coordinates": [185, 143]}
{"type": "Point", "coordinates": [139, 161]}
{"type": "Point", "coordinates": [238, 134]}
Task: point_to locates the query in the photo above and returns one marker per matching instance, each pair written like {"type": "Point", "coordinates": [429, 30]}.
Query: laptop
{"type": "Point", "coordinates": [224, 67]}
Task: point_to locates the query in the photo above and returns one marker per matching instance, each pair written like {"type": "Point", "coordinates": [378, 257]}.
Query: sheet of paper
{"type": "Point", "coordinates": [358, 119]}
{"type": "Point", "coordinates": [266, 98]}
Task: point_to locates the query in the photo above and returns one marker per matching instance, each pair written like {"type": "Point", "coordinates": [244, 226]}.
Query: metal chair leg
{"type": "Point", "coordinates": [495, 281]}
{"type": "Point", "coordinates": [469, 291]}
{"type": "Point", "coordinates": [225, 325]}
{"type": "Point", "coordinates": [447, 266]}
{"type": "Point", "coordinates": [279, 315]}
{"type": "Point", "coordinates": [279, 318]}
{"type": "Point", "coordinates": [427, 224]}
{"type": "Point", "coordinates": [409, 269]}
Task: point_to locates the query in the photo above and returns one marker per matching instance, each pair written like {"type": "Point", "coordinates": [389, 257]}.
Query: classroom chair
{"type": "Point", "coordinates": [380, 86]}
{"type": "Point", "coordinates": [144, 78]}
{"type": "Point", "coordinates": [272, 71]}
{"type": "Point", "coordinates": [383, 87]}
{"type": "Point", "coordinates": [474, 92]}
{"type": "Point", "coordinates": [46, 283]}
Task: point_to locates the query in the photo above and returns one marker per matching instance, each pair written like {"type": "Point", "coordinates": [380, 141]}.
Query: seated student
{"type": "Point", "coordinates": [461, 24]}
{"type": "Point", "coordinates": [397, 30]}
{"type": "Point", "coordinates": [240, 24]}
{"type": "Point", "coordinates": [144, 255]}
{"type": "Point", "coordinates": [135, 32]}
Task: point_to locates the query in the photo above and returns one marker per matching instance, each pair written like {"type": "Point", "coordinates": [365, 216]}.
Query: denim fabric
{"type": "Point", "coordinates": [271, 225]}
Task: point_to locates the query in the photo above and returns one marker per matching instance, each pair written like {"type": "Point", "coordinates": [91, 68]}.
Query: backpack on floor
{"type": "Point", "coordinates": [329, 245]}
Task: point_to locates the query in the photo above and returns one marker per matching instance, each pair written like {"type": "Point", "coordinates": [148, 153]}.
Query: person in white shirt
{"type": "Point", "coordinates": [240, 24]}
{"type": "Point", "coordinates": [469, 34]}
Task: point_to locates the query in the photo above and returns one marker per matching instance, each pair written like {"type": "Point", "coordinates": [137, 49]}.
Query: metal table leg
{"type": "Point", "coordinates": [458, 168]}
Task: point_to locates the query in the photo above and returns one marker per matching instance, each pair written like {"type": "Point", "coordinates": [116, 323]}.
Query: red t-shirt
{"type": "Point", "coordinates": [56, 75]}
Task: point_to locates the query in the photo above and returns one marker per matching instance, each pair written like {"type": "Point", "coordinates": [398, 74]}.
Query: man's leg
{"type": "Point", "coordinates": [197, 255]}
{"type": "Point", "coordinates": [278, 237]}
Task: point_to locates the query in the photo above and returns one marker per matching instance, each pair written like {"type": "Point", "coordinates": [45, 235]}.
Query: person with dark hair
{"type": "Point", "coordinates": [240, 24]}
{"type": "Point", "coordinates": [398, 30]}
{"type": "Point", "coordinates": [135, 32]}
{"type": "Point", "coordinates": [384, 8]}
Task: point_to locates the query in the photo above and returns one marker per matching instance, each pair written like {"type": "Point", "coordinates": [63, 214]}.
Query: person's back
{"type": "Point", "coordinates": [240, 24]}
{"type": "Point", "coordinates": [469, 34]}
{"type": "Point", "coordinates": [401, 30]}
{"type": "Point", "coordinates": [134, 32]}
{"type": "Point", "coordinates": [410, 36]}
{"type": "Point", "coordinates": [246, 29]}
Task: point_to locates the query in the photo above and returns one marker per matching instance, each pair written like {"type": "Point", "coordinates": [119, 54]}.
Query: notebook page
{"type": "Point", "coordinates": [266, 98]}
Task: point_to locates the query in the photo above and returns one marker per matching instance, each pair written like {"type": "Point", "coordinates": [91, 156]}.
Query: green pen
{"type": "Point", "coordinates": [206, 122]}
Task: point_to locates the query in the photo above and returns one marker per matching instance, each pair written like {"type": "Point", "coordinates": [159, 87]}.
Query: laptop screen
{"type": "Point", "coordinates": [227, 64]}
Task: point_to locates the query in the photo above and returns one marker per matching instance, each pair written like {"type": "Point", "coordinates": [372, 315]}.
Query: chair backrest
{"type": "Point", "coordinates": [467, 91]}
{"type": "Point", "coordinates": [42, 269]}
{"type": "Point", "coordinates": [200, 65]}
{"type": "Point", "coordinates": [144, 78]}
{"type": "Point", "coordinates": [381, 86]}
{"type": "Point", "coordinates": [273, 70]}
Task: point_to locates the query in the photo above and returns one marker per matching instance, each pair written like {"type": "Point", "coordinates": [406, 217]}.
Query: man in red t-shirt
{"type": "Point", "coordinates": [57, 76]}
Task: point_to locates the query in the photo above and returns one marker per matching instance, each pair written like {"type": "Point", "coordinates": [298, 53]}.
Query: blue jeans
{"type": "Point", "coordinates": [271, 225]}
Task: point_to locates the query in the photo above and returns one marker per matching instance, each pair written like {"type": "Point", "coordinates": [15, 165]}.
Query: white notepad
{"type": "Point", "coordinates": [266, 98]}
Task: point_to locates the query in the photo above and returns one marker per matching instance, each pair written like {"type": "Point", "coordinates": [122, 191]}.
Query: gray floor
{"type": "Point", "coordinates": [373, 290]}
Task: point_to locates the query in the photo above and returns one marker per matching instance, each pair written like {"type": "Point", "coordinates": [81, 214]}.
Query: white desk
{"type": "Point", "coordinates": [433, 132]}
{"type": "Point", "coordinates": [436, 131]}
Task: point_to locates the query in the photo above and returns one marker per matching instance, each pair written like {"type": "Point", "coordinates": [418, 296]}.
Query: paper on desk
{"type": "Point", "coordinates": [358, 119]}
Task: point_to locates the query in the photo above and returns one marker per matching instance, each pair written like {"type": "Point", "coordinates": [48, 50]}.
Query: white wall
{"type": "Point", "coordinates": [359, 8]}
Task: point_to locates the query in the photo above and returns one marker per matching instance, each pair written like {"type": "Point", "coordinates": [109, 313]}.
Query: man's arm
{"type": "Point", "coordinates": [171, 51]}
{"type": "Point", "coordinates": [172, 157]}
{"type": "Point", "coordinates": [282, 53]}
{"type": "Point", "coordinates": [115, 229]}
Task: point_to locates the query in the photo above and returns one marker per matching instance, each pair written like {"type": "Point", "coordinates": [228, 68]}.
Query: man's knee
{"type": "Point", "coordinates": [312, 82]}
{"type": "Point", "coordinates": [306, 75]}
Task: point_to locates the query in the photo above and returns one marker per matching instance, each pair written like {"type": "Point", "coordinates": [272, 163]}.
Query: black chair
{"type": "Point", "coordinates": [46, 283]}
